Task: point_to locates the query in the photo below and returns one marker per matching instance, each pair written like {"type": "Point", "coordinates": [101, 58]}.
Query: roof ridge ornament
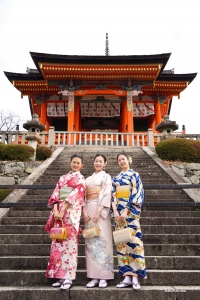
{"type": "Point", "coordinates": [107, 46]}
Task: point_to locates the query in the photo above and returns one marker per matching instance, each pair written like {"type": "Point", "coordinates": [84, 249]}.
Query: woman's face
{"type": "Point", "coordinates": [123, 162]}
{"type": "Point", "coordinates": [76, 164]}
{"type": "Point", "coordinates": [99, 164]}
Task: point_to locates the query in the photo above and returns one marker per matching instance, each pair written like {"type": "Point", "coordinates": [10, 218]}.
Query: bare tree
{"type": "Point", "coordinates": [9, 120]}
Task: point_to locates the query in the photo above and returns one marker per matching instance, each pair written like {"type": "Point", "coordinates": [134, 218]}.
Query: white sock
{"type": "Point", "coordinates": [127, 279]}
{"type": "Point", "coordinates": [135, 279]}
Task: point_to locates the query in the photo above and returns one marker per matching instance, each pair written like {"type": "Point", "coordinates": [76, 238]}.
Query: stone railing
{"type": "Point", "coordinates": [94, 138]}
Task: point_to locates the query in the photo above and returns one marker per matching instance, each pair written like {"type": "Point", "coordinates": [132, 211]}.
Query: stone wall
{"type": "Point", "coordinates": [15, 172]}
{"type": "Point", "coordinates": [189, 171]}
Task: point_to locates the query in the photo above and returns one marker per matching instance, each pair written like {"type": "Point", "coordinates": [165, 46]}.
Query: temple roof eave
{"type": "Point", "coordinates": [189, 77]}
{"type": "Point", "coordinates": [23, 76]}
{"type": "Point", "coordinates": [98, 60]}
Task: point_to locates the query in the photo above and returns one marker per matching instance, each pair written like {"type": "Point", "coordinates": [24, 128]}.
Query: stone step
{"type": "Point", "coordinates": [155, 277]}
{"type": "Point", "coordinates": [17, 213]}
{"type": "Point", "coordinates": [152, 262]}
{"type": "Point", "coordinates": [147, 238]}
{"type": "Point", "coordinates": [146, 229]}
{"type": "Point", "coordinates": [46, 292]}
{"type": "Point", "coordinates": [150, 249]}
{"type": "Point", "coordinates": [46, 192]}
{"type": "Point", "coordinates": [143, 221]}
{"type": "Point", "coordinates": [147, 180]}
{"type": "Point", "coordinates": [147, 200]}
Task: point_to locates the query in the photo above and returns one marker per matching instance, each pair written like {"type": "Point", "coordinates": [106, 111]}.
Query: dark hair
{"type": "Point", "coordinates": [76, 155]}
{"type": "Point", "coordinates": [103, 156]}
{"type": "Point", "coordinates": [122, 153]}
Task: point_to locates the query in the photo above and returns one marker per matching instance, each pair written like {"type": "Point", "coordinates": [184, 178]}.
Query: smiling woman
{"type": "Point", "coordinates": [66, 212]}
{"type": "Point", "coordinates": [98, 249]}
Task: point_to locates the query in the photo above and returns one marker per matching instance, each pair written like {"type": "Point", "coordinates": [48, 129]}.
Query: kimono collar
{"type": "Point", "coordinates": [128, 171]}
{"type": "Point", "coordinates": [74, 173]}
{"type": "Point", "coordinates": [100, 173]}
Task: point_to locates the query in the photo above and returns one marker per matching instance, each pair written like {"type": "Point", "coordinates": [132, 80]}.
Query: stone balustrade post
{"type": "Point", "coordinates": [51, 136]}
{"type": "Point", "coordinates": [10, 138]}
{"type": "Point", "coordinates": [150, 137]}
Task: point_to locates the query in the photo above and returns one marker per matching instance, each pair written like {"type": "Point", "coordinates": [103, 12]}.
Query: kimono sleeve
{"type": "Point", "coordinates": [137, 194]}
{"type": "Point", "coordinates": [106, 192]}
{"type": "Point", "coordinates": [78, 191]}
{"type": "Point", "coordinates": [55, 195]}
{"type": "Point", "coordinates": [113, 199]}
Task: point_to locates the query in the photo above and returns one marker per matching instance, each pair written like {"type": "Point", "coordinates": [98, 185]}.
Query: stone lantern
{"type": "Point", "coordinates": [34, 128]}
{"type": "Point", "coordinates": [166, 127]}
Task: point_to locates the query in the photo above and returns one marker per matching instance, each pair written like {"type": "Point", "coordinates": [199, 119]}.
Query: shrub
{"type": "Point", "coordinates": [4, 193]}
{"type": "Point", "coordinates": [43, 153]}
{"type": "Point", "coordinates": [179, 150]}
{"type": "Point", "coordinates": [16, 152]}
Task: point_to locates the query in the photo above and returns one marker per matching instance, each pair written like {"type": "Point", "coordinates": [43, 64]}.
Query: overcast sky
{"type": "Point", "coordinates": [79, 27]}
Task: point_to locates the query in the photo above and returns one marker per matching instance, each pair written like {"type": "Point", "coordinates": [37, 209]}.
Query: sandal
{"type": "Point", "coordinates": [123, 284]}
{"type": "Point", "coordinates": [92, 283]}
{"type": "Point", "coordinates": [66, 284]}
{"type": "Point", "coordinates": [58, 283]}
{"type": "Point", "coordinates": [136, 286]}
{"type": "Point", "coordinates": [103, 283]}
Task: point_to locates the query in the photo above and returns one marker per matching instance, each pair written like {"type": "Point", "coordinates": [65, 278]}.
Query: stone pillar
{"type": "Point", "coordinates": [150, 137]}
{"type": "Point", "coordinates": [51, 139]}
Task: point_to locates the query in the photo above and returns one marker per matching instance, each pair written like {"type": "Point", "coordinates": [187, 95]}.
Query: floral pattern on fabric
{"type": "Point", "coordinates": [130, 256]}
{"type": "Point", "coordinates": [62, 263]}
{"type": "Point", "coordinates": [75, 198]}
{"type": "Point", "coordinates": [96, 249]}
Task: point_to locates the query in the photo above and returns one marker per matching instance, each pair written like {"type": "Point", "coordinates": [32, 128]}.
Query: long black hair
{"type": "Point", "coordinates": [122, 153]}
{"type": "Point", "coordinates": [102, 155]}
{"type": "Point", "coordinates": [76, 155]}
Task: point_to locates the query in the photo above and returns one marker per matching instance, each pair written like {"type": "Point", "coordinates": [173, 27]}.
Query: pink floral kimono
{"type": "Point", "coordinates": [99, 250]}
{"type": "Point", "coordinates": [62, 262]}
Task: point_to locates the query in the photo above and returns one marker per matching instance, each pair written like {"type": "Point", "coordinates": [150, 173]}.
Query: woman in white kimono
{"type": "Point", "coordinates": [96, 209]}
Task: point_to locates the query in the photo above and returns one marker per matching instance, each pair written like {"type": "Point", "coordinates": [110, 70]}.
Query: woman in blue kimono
{"type": "Point", "coordinates": [127, 200]}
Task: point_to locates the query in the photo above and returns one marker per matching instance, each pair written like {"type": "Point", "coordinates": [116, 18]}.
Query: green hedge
{"type": "Point", "coordinates": [43, 153]}
{"type": "Point", "coordinates": [4, 193]}
{"type": "Point", "coordinates": [179, 149]}
{"type": "Point", "coordinates": [16, 152]}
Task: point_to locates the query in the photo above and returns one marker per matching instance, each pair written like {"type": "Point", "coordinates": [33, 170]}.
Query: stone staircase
{"type": "Point", "coordinates": [171, 240]}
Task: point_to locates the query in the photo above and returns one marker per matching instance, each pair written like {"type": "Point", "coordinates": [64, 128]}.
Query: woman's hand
{"type": "Point", "coordinates": [124, 215]}
{"type": "Point", "coordinates": [58, 215]}
{"type": "Point", "coordinates": [116, 215]}
{"type": "Point", "coordinates": [96, 216]}
{"type": "Point", "coordinates": [86, 217]}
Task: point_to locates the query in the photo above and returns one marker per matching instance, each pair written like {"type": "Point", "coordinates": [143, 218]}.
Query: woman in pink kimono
{"type": "Point", "coordinates": [96, 208]}
{"type": "Point", "coordinates": [62, 262]}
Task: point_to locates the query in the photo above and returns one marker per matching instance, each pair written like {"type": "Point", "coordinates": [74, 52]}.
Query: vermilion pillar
{"type": "Point", "coordinates": [43, 113]}
{"type": "Point", "coordinates": [157, 112]}
{"type": "Point", "coordinates": [130, 114]}
{"type": "Point", "coordinates": [124, 117]}
{"type": "Point", "coordinates": [76, 116]}
{"type": "Point", "coordinates": [70, 125]}
{"type": "Point", "coordinates": [152, 122]}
